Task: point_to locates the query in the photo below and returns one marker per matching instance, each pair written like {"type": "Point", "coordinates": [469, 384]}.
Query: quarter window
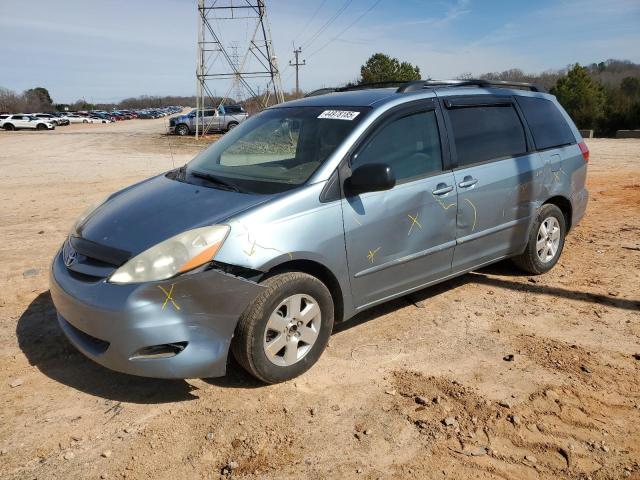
{"type": "Point", "coordinates": [487, 133]}
{"type": "Point", "coordinates": [410, 145]}
{"type": "Point", "coordinates": [548, 126]}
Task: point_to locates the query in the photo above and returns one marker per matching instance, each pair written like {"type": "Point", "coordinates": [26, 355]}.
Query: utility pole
{"type": "Point", "coordinates": [297, 64]}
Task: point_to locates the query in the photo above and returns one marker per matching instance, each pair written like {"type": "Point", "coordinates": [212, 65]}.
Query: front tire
{"type": "Point", "coordinates": [41, 126]}
{"type": "Point", "coordinates": [231, 126]}
{"type": "Point", "coordinates": [283, 332]}
{"type": "Point", "coordinates": [182, 130]}
{"type": "Point", "coordinates": [546, 241]}
{"type": "Point", "coordinates": [9, 126]}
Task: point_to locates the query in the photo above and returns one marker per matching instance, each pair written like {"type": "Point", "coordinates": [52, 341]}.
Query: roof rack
{"type": "Point", "coordinates": [422, 84]}
{"type": "Point", "coordinates": [361, 86]}
{"type": "Point", "coordinates": [416, 85]}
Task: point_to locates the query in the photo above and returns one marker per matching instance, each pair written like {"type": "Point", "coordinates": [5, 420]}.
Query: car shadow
{"type": "Point", "coordinates": [46, 347]}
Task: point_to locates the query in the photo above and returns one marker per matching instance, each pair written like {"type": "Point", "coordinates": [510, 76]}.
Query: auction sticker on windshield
{"type": "Point", "coordinates": [338, 114]}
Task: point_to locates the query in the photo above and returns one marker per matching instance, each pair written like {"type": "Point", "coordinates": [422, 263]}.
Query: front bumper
{"type": "Point", "coordinates": [111, 324]}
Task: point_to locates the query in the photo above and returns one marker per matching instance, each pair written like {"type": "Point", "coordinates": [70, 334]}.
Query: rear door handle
{"type": "Point", "coordinates": [442, 189]}
{"type": "Point", "coordinates": [468, 181]}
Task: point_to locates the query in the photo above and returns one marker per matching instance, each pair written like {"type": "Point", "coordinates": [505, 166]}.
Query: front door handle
{"type": "Point", "coordinates": [468, 181]}
{"type": "Point", "coordinates": [442, 189]}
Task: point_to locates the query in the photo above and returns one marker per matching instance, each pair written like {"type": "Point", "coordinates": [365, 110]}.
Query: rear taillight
{"type": "Point", "coordinates": [584, 150]}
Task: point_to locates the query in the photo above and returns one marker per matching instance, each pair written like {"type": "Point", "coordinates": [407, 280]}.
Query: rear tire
{"type": "Point", "coordinates": [295, 311]}
{"type": "Point", "coordinates": [546, 240]}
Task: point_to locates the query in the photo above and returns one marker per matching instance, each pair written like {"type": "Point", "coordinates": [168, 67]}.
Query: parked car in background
{"type": "Point", "coordinates": [93, 118]}
{"type": "Point", "coordinates": [47, 117]}
{"type": "Point", "coordinates": [221, 119]}
{"type": "Point", "coordinates": [23, 121]}
{"type": "Point", "coordinates": [75, 118]}
{"type": "Point", "coordinates": [61, 117]}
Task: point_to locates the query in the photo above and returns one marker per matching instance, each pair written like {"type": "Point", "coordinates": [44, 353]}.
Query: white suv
{"type": "Point", "coordinates": [22, 121]}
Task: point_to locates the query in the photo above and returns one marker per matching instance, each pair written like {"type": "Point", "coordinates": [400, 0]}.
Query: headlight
{"type": "Point", "coordinates": [87, 213]}
{"type": "Point", "coordinates": [184, 252]}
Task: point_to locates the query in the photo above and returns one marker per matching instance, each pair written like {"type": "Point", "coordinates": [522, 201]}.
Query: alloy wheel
{"type": "Point", "coordinates": [292, 330]}
{"type": "Point", "coordinates": [548, 240]}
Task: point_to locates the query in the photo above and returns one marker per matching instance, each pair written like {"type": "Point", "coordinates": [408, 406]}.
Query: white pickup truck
{"type": "Point", "coordinates": [221, 119]}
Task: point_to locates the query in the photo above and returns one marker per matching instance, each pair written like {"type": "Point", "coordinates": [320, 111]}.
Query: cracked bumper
{"type": "Point", "coordinates": [110, 323]}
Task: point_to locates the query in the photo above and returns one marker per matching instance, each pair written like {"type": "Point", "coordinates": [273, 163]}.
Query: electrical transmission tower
{"type": "Point", "coordinates": [235, 66]}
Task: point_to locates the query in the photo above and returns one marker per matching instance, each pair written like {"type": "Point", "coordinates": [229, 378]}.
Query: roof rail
{"type": "Point", "coordinates": [361, 86]}
{"type": "Point", "coordinates": [422, 84]}
{"type": "Point", "coordinates": [416, 85]}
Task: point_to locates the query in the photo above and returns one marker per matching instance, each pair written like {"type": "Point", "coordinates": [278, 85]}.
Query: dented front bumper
{"type": "Point", "coordinates": [121, 326]}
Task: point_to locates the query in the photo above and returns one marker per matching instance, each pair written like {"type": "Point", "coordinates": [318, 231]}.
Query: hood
{"type": "Point", "coordinates": [149, 212]}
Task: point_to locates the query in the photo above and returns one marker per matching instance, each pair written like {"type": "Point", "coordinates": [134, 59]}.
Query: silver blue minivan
{"type": "Point", "coordinates": [312, 211]}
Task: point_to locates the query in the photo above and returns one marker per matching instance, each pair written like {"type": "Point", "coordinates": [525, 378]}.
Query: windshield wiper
{"type": "Point", "coordinates": [217, 180]}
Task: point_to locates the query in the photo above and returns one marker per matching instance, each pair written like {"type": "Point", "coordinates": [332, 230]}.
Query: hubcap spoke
{"type": "Point", "coordinates": [291, 351]}
{"type": "Point", "coordinates": [310, 311]}
{"type": "Point", "coordinates": [274, 346]}
{"type": "Point", "coordinates": [293, 306]}
{"type": "Point", "coordinates": [277, 322]}
{"type": "Point", "coordinates": [308, 335]}
{"type": "Point", "coordinates": [543, 229]}
{"type": "Point", "coordinates": [540, 244]}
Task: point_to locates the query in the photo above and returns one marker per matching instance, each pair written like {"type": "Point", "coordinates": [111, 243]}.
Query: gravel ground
{"type": "Point", "coordinates": [422, 387]}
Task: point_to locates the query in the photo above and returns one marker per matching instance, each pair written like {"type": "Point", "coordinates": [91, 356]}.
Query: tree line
{"type": "Point", "coordinates": [602, 96]}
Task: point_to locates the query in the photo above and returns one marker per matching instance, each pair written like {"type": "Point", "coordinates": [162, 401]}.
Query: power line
{"type": "Point", "coordinates": [326, 25]}
{"type": "Point", "coordinates": [313, 17]}
{"type": "Point", "coordinates": [375, 4]}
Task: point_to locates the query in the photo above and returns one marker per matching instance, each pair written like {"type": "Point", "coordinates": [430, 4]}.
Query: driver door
{"type": "Point", "coordinates": [400, 239]}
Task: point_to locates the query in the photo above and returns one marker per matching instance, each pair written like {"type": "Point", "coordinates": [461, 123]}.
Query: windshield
{"type": "Point", "coordinates": [278, 149]}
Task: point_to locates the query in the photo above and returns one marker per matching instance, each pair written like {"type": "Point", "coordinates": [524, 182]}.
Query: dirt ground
{"type": "Point", "coordinates": [417, 388]}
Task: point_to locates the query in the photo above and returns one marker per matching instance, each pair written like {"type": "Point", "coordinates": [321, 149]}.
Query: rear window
{"type": "Point", "coordinates": [547, 124]}
{"type": "Point", "coordinates": [487, 133]}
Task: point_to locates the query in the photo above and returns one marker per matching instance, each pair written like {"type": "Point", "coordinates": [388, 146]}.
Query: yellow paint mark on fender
{"type": "Point", "coordinates": [169, 297]}
{"type": "Point", "coordinates": [372, 254]}
{"type": "Point", "coordinates": [254, 243]}
{"type": "Point", "coordinates": [475, 213]}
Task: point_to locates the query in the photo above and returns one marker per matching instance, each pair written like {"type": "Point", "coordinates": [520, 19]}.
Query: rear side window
{"type": "Point", "coordinates": [547, 124]}
{"type": "Point", "coordinates": [487, 133]}
{"type": "Point", "coordinates": [233, 109]}
{"type": "Point", "coordinates": [410, 145]}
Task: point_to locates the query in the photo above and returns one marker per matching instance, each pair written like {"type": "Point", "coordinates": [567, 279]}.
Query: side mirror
{"type": "Point", "coordinates": [374, 177]}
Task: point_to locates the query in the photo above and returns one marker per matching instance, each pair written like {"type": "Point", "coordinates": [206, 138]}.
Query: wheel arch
{"type": "Point", "coordinates": [319, 271]}
{"type": "Point", "coordinates": [564, 204]}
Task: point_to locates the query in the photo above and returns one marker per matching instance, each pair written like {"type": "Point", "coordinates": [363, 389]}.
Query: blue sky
{"type": "Point", "coordinates": [108, 50]}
